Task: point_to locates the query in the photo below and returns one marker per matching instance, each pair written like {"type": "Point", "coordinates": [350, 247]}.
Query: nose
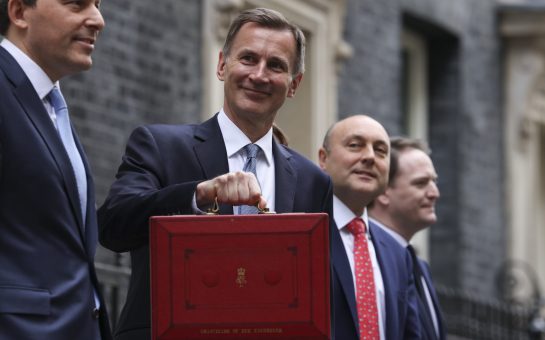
{"type": "Point", "coordinates": [367, 154]}
{"type": "Point", "coordinates": [259, 72]}
{"type": "Point", "coordinates": [433, 191]}
{"type": "Point", "coordinates": [95, 19]}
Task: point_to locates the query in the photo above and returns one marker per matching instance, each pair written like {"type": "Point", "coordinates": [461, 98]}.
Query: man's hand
{"type": "Point", "coordinates": [237, 188]}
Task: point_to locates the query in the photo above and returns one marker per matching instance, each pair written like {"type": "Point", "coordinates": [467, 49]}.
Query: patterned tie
{"type": "Point", "coordinates": [65, 132]}
{"type": "Point", "coordinates": [366, 300]}
{"type": "Point", "coordinates": [250, 165]}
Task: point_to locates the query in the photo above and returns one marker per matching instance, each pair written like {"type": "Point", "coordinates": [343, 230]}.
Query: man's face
{"type": "Point", "coordinates": [258, 74]}
{"type": "Point", "coordinates": [59, 35]}
{"type": "Point", "coordinates": [358, 160]}
{"type": "Point", "coordinates": [413, 192]}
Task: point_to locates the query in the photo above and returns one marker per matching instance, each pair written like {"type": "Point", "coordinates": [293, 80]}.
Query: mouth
{"type": "Point", "coordinates": [365, 173]}
{"type": "Point", "coordinates": [87, 40]}
{"type": "Point", "coordinates": [254, 91]}
{"type": "Point", "coordinates": [428, 206]}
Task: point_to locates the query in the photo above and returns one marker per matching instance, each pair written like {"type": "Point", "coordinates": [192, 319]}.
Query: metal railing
{"type": "Point", "coordinates": [471, 317]}
{"type": "Point", "coordinates": [114, 282]}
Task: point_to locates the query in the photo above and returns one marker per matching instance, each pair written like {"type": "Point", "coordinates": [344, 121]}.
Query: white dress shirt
{"type": "Point", "coordinates": [235, 140]}
{"type": "Point", "coordinates": [38, 78]}
{"type": "Point", "coordinates": [405, 244]}
{"type": "Point", "coordinates": [343, 215]}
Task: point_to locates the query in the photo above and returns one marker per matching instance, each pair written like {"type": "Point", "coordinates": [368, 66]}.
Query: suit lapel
{"type": "Point", "coordinates": [212, 154]}
{"type": "Point", "coordinates": [90, 229]}
{"type": "Point", "coordinates": [427, 277]}
{"type": "Point", "coordinates": [35, 110]}
{"type": "Point", "coordinates": [343, 272]}
{"type": "Point", "coordinates": [285, 178]}
{"type": "Point", "coordinates": [385, 265]}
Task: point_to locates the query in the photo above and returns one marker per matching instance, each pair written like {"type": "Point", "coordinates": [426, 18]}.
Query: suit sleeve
{"type": "Point", "coordinates": [138, 193]}
{"type": "Point", "coordinates": [412, 321]}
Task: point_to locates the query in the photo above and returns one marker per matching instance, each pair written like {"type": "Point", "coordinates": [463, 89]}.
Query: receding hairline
{"type": "Point", "coordinates": [331, 131]}
{"type": "Point", "coordinates": [271, 19]}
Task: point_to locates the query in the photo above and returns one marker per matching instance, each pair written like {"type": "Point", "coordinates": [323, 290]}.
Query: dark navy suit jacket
{"type": "Point", "coordinates": [400, 295]}
{"type": "Point", "coordinates": [159, 173]}
{"type": "Point", "coordinates": [428, 330]}
{"type": "Point", "coordinates": [47, 273]}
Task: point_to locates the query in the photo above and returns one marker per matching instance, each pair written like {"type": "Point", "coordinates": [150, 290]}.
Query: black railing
{"type": "Point", "coordinates": [472, 317]}
{"type": "Point", "coordinates": [114, 282]}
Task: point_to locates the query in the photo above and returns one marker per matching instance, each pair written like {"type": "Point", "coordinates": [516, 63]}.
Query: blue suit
{"type": "Point", "coordinates": [400, 295]}
{"type": "Point", "coordinates": [428, 330]}
{"type": "Point", "coordinates": [160, 170]}
{"type": "Point", "coordinates": [47, 275]}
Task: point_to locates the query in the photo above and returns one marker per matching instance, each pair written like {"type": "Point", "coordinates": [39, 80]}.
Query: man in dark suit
{"type": "Point", "coordinates": [406, 207]}
{"type": "Point", "coordinates": [48, 229]}
{"type": "Point", "coordinates": [356, 154]}
{"type": "Point", "coordinates": [182, 169]}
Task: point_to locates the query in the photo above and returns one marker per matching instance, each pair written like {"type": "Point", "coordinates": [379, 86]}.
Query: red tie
{"type": "Point", "coordinates": [366, 299]}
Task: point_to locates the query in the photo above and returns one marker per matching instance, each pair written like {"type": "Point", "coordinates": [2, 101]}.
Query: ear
{"type": "Point", "coordinates": [294, 84]}
{"type": "Point", "coordinates": [383, 199]}
{"type": "Point", "coordinates": [220, 70]}
{"type": "Point", "coordinates": [322, 157]}
{"type": "Point", "coordinates": [16, 13]}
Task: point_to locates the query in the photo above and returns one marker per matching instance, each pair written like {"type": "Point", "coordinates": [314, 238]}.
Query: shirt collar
{"type": "Point", "coordinates": [38, 78]}
{"type": "Point", "coordinates": [343, 215]}
{"type": "Point", "coordinates": [402, 242]}
{"type": "Point", "coordinates": [235, 139]}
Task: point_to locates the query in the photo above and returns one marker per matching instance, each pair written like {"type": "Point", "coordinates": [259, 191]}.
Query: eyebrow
{"type": "Point", "coordinates": [424, 177]}
{"type": "Point", "coordinates": [247, 50]}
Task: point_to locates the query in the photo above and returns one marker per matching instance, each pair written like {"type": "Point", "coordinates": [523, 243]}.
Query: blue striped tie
{"type": "Point", "coordinates": [250, 165]}
{"type": "Point", "coordinates": [65, 132]}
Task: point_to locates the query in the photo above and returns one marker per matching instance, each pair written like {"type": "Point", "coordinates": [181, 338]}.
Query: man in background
{"type": "Point", "coordinates": [372, 287]}
{"type": "Point", "coordinates": [48, 226]}
{"type": "Point", "coordinates": [406, 207]}
{"type": "Point", "coordinates": [232, 157]}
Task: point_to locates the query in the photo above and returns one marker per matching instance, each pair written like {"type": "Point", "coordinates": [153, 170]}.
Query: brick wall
{"type": "Point", "coordinates": [146, 69]}
{"type": "Point", "coordinates": [468, 243]}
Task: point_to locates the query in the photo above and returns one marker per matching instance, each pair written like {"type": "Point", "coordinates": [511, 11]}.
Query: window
{"type": "Point", "coordinates": [414, 101]}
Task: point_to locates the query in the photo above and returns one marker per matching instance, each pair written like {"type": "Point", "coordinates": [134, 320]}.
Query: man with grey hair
{"type": "Point", "coordinates": [183, 169]}
{"type": "Point", "coordinates": [48, 225]}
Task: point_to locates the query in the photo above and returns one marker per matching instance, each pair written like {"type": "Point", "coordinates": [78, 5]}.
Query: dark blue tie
{"type": "Point", "coordinates": [65, 132]}
{"type": "Point", "coordinates": [250, 166]}
{"type": "Point", "coordinates": [418, 276]}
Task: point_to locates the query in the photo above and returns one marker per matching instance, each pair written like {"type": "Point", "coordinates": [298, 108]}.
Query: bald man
{"type": "Point", "coordinates": [380, 301]}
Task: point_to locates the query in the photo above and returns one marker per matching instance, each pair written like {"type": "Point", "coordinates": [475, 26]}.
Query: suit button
{"type": "Point", "coordinates": [96, 313]}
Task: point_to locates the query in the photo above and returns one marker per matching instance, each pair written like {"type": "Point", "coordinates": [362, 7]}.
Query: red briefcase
{"type": "Point", "coordinates": [240, 277]}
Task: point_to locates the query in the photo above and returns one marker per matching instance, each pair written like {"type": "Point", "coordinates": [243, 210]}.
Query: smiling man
{"type": "Point", "coordinates": [182, 169]}
{"type": "Point", "coordinates": [406, 207]}
{"type": "Point", "coordinates": [373, 293]}
{"type": "Point", "coordinates": [48, 225]}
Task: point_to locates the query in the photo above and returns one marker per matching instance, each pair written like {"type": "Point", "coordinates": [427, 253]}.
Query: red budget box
{"type": "Point", "coordinates": [240, 277]}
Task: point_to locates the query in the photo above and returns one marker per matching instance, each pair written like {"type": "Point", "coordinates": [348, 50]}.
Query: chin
{"type": "Point", "coordinates": [431, 220]}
